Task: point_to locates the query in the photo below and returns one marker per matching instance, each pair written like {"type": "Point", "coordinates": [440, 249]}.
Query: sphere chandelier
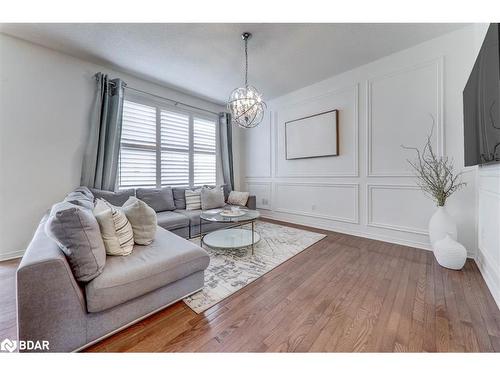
{"type": "Point", "coordinates": [245, 103]}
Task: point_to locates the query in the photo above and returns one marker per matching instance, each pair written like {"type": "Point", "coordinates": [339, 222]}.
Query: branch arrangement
{"type": "Point", "coordinates": [435, 175]}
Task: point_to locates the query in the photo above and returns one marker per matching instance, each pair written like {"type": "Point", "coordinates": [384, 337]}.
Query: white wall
{"type": "Point", "coordinates": [368, 190]}
{"type": "Point", "coordinates": [45, 102]}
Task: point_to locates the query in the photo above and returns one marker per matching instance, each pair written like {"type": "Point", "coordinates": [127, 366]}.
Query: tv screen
{"type": "Point", "coordinates": [482, 104]}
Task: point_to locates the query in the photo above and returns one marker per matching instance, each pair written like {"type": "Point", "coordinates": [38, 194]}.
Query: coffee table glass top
{"type": "Point", "coordinates": [215, 216]}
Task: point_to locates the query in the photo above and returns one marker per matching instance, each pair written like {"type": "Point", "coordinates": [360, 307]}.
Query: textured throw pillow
{"type": "Point", "coordinates": [239, 198]}
{"type": "Point", "coordinates": [212, 197]}
{"type": "Point", "coordinates": [115, 198]}
{"type": "Point", "coordinates": [193, 199]}
{"type": "Point", "coordinates": [143, 220]}
{"type": "Point", "coordinates": [116, 231]}
{"type": "Point", "coordinates": [76, 232]}
{"type": "Point", "coordinates": [159, 199]}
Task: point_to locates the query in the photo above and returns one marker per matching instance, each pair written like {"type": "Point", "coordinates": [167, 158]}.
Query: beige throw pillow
{"type": "Point", "coordinates": [143, 220]}
{"type": "Point", "coordinates": [238, 198]}
{"type": "Point", "coordinates": [116, 231]}
{"type": "Point", "coordinates": [193, 199]}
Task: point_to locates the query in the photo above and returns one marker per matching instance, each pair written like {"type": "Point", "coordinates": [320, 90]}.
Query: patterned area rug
{"type": "Point", "coordinates": [231, 270]}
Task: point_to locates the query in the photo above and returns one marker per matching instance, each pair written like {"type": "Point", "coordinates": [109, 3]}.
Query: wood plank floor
{"type": "Point", "coordinates": [343, 294]}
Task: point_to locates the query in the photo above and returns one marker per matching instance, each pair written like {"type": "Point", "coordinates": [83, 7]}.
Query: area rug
{"type": "Point", "coordinates": [231, 270]}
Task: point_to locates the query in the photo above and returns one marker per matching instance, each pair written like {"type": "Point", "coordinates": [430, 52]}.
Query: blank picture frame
{"type": "Point", "coordinates": [312, 136]}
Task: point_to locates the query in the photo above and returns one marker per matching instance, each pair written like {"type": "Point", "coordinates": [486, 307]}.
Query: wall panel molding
{"type": "Point", "coordinates": [369, 208]}
{"type": "Point", "coordinates": [353, 220]}
{"type": "Point", "coordinates": [269, 186]}
{"type": "Point", "coordinates": [439, 127]}
{"type": "Point", "coordinates": [355, 172]}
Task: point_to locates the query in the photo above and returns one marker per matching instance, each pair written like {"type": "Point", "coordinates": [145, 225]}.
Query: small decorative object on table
{"type": "Point", "coordinates": [436, 177]}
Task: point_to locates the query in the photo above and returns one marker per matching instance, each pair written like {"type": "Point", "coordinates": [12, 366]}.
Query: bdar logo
{"type": "Point", "coordinates": [8, 345]}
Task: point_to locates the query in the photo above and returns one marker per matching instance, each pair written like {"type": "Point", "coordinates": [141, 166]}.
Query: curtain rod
{"type": "Point", "coordinates": [176, 102]}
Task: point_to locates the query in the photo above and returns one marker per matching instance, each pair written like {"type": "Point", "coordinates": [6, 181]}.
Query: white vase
{"type": "Point", "coordinates": [441, 224]}
{"type": "Point", "coordinates": [449, 253]}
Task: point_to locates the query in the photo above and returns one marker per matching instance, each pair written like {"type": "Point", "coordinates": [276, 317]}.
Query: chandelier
{"type": "Point", "coordinates": [245, 103]}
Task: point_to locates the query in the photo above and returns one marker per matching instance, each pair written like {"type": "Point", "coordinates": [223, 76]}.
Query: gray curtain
{"type": "Point", "coordinates": [100, 162]}
{"type": "Point", "coordinates": [226, 146]}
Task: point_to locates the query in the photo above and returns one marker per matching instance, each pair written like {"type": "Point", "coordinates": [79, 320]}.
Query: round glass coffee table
{"type": "Point", "coordinates": [235, 236]}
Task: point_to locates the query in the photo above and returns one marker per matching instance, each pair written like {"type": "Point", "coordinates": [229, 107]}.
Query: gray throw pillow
{"type": "Point", "coordinates": [159, 199]}
{"type": "Point", "coordinates": [80, 199]}
{"type": "Point", "coordinates": [143, 220]}
{"type": "Point", "coordinates": [85, 191]}
{"type": "Point", "coordinates": [115, 198]}
{"type": "Point", "coordinates": [212, 197]}
{"type": "Point", "coordinates": [76, 232]}
{"type": "Point", "coordinates": [179, 198]}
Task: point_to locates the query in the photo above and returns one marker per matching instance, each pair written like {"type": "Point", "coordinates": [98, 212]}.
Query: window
{"type": "Point", "coordinates": [166, 147]}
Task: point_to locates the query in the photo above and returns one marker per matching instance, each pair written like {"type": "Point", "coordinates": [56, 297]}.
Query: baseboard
{"type": "Point", "coordinates": [378, 237]}
{"type": "Point", "coordinates": [11, 255]}
{"type": "Point", "coordinates": [490, 275]}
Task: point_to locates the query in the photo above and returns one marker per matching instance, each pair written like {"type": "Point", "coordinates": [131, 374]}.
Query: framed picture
{"type": "Point", "coordinates": [312, 136]}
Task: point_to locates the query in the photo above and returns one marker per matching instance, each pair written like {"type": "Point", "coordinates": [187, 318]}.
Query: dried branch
{"type": "Point", "coordinates": [435, 174]}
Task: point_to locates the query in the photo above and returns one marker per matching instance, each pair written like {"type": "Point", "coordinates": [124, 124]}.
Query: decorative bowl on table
{"type": "Point", "coordinates": [232, 212]}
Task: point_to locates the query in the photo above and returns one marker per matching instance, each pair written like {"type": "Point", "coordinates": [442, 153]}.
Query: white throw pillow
{"type": "Point", "coordinates": [116, 231]}
{"type": "Point", "coordinates": [193, 199]}
{"type": "Point", "coordinates": [239, 198]}
{"type": "Point", "coordinates": [143, 220]}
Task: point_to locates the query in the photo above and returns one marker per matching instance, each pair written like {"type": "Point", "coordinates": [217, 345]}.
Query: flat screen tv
{"type": "Point", "coordinates": [482, 104]}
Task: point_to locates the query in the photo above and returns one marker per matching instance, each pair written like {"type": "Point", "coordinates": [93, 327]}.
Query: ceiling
{"type": "Point", "coordinates": [207, 59]}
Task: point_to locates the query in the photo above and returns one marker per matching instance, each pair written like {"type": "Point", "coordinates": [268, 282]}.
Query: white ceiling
{"type": "Point", "coordinates": [207, 59]}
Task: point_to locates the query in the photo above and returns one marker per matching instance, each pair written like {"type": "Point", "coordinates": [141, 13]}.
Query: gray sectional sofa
{"type": "Point", "coordinates": [184, 223]}
{"type": "Point", "coordinates": [52, 305]}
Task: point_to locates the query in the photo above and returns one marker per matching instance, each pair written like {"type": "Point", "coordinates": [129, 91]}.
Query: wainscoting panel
{"type": "Point", "coordinates": [394, 207]}
{"type": "Point", "coordinates": [345, 100]}
{"type": "Point", "coordinates": [262, 191]}
{"type": "Point", "coordinates": [488, 257]}
{"type": "Point", "coordinates": [399, 110]}
{"type": "Point", "coordinates": [489, 226]}
{"type": "Point", "coordinates": [337, 202]}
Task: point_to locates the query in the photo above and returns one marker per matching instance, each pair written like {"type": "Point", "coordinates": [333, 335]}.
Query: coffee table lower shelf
{"type": "Point", "coordinates": [231, 238]}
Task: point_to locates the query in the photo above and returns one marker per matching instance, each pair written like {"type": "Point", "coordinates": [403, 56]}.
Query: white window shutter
{"type": "Point", "coordinates": [204, 149]}
{"type": "Point", "coordinates": [185, 148]}
{"type": "Point", "coordinates": [174, 149]}
{"type": "Point", "coordinates": [137, 165]}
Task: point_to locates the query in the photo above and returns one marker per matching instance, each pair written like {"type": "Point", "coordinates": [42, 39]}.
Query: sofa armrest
{"type": "Point", "coordinates": [252, 202]}
{"type": "Point", "coordinates": [50, 303]}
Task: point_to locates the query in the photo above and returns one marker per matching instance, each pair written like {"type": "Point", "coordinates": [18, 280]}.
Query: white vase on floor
{"type": "Point", "coordinates": [449, 253]}
{"type": "Point", "coordinates": [440, 225]}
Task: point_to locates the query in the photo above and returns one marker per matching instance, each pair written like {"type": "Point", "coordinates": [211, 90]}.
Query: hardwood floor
{"type": "Point", "coordinates": [342, 294]}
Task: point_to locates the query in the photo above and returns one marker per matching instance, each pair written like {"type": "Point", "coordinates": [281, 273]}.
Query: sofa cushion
{"type": "Point", "coordinates": [159, 199]}
{"type": "Point", "coordinates": [116, 198]}
{"type": "Point", "coordinates": [212, 197]}
{"type": "Point", "coordinates": [193, 216]}
{"type": "Point", "coordinates": [169, 258]}
{"type": "Point", "coordinates": [76, 232]}
{"type": "Point", "coordinates": [143, 220]}
{"type": "Point", "coordinates": [179, 198]}
{"type": "Point", "coordinates": [171, 220]}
